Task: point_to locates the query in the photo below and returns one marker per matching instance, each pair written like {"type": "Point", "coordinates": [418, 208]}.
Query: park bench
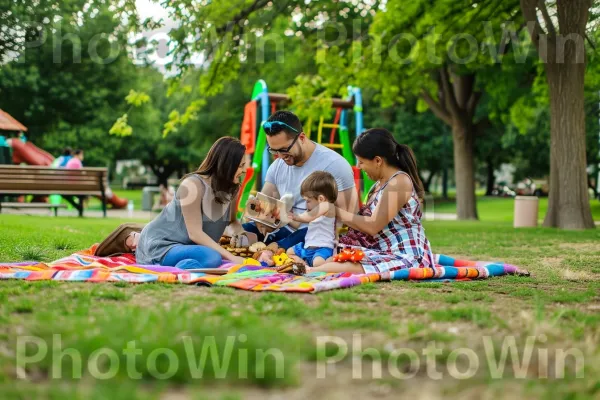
{"type": "Point", "coordinates": [72, 184]}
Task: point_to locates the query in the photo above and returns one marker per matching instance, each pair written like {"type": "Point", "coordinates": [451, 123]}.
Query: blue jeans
{"type": "Point", "coordinates": [284, 237]}
{"type": "Point", "coordinates": [191, 257]}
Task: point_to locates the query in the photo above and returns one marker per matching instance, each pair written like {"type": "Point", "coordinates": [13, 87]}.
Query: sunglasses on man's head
{"type": "Point", "coordinates": [271, 126]}
{"type": "Point", "coordinates": [277, 126]}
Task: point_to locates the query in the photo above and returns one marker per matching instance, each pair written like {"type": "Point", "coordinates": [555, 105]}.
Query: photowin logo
{"type": "Point", "coordinates": [508, 359]}
{"type": "Point", "coordinates": [215, 358]}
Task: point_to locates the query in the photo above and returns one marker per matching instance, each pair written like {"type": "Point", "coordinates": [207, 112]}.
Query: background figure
{"type": "Point", "coordinates": [63, 159]}
{"type": "Point", "coordinates": [76, 162]}
{"type": "Point", "coordinates": [167, 193]}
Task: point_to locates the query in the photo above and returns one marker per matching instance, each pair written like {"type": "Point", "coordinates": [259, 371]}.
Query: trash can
{"type": "Point", "coordinates": [148, 193]}
{"type": "Point", "coordinates": [526, 211]}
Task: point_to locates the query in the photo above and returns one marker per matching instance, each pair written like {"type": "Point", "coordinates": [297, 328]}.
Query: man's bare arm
{"type": "Point", "coordinates": [348, 200]}
{"type": "Point", "coordinates": [270, 190]}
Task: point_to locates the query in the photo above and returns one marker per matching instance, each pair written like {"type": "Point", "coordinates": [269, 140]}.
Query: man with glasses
{"type": "Point", "coordinates": [298, 157]}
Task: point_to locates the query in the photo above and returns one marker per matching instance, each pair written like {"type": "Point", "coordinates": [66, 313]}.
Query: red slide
{"type": "Point", "coordinates": [117, 202]}
{"type": "Point", "coordinates": [29, 153]}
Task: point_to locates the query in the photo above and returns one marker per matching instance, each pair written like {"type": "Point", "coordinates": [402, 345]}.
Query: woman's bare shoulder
{"type": "Point", "coordinates": [400, 182]}
{"type": "Point", "coordinates": [191, 185]}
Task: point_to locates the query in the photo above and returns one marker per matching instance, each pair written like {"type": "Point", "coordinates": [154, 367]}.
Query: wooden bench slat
{"type": "Point", "coordinates": [7, 181]}
{"type": "Point", "coordinates": [50, 174]}
{"type": "Point", "coordinates": [41, 170]}
{"type": "Point", "coordinates": [51, 192]}
{"type": "Point", "coordinates": [11, 180]}
{"type": "Point", "coordinates": [35, 167]}
{"type": "Point", "coordinates": [44, 185]}
{"type": "Point", "coordinates": [31, 205]}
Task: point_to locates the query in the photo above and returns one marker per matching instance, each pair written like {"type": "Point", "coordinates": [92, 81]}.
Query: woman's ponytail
{"type": "Point", "coordinates": [398, 151]}
{"type": "Point", "coordinates": [379, 142]}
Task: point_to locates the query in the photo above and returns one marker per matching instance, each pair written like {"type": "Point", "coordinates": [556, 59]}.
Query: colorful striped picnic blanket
{"type": "Point", "coordinates": [84, 267]}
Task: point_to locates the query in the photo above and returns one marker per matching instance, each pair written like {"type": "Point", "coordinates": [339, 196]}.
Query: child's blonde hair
{"type": "Point", "coordinates": [320, 182]}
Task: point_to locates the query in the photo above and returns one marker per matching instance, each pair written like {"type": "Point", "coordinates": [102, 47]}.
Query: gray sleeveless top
{"type": "Point", "coordinates": [168, 228]}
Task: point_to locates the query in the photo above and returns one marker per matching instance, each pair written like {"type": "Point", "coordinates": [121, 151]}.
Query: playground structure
{"type": "Point", "coordinates": [253, 135]}
{"type": "Point", "coordinates": [25, 152]}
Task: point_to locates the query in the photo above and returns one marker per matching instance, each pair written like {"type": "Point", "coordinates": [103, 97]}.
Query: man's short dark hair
{"type": "Point", "coordinates": [288, 118]}
{"type": "Point", "coordinates": [77, 152]}
{"type": "Point", "coordinates": [320, 182]}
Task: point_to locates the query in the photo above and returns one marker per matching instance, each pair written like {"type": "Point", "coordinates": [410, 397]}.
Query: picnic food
{"type": "Point", "coordinates": [258, 246]}
{"type": "Point", "coordinates": [238, 251]}
{"type": "Point", "coordinates": [295, 268]}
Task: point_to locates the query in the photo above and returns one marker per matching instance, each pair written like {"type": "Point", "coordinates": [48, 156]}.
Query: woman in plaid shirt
{"type": "Point", "coordinates": [388, 227]}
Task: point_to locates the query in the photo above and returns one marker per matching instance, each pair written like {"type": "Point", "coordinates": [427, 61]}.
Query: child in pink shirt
{"type": "Point", "coordinates": [76, 161]}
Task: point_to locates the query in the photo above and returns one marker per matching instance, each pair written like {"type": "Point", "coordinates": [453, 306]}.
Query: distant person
{"type": "Point", "coordinates": [76, 161]}
{"type": "Point", "coordinates": [167, 193]}
{"type": "Point", "coordinates": [63, 159]}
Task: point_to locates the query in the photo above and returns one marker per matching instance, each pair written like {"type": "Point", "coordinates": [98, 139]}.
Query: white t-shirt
{"type": "Point", "coordinates": [288, 178]}
{"type": "Point", "coordinates": [321, 233]}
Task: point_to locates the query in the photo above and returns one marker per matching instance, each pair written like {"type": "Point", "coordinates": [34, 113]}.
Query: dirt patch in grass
{"type": "Point", "coordinates": [579, 276]}
{"type": "Point", "coordinates": [552, 262]}
{"type": "Point", "coordinates": [591, 247]}
{"type": "Point", "coordinates": [593, 307]}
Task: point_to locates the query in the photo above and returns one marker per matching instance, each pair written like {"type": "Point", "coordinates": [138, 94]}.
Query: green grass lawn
{"type": "Point", "coordinates": [276, 345]}
{"type": "Point", "coordinates": [135, 195]}
{"type": "Point", "coordinates": [498, 209]}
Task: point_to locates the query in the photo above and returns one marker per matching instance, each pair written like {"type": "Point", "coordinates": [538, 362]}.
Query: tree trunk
{"type": "Point", "coordinates": [568, 203]}
{"type": "Point", "coordinates": [427, 182]}
{"type": "Point", "coordinates": [491, 178]}
{"type": "Point", "coordinates": [456, 105]}
{"type": "Point", "coordinates": [464, 170]}
{"type": "Point", "coordinates": [562, 51]}
{"type": "Point", "coordinates": [445, 184]}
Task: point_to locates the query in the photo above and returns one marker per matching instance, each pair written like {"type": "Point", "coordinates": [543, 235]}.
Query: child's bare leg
{"type": "Point", "coordinates": [290, 251]}
{"type": "Point", "coordinates": [318, 261]}
{"type": "Point", "coordinates": [354, 268]}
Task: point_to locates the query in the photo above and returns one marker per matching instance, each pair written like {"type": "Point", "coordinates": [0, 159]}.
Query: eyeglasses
{"type": "Point", "coordinates": [286, 150]}
{"type": "Point", "coordinates": [271, 126]}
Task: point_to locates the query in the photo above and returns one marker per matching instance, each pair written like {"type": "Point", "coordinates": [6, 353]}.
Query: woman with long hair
{"type": "Point", "coordinates": [388, 227]}
{"type": "Point", "coordinates": [187, 231]}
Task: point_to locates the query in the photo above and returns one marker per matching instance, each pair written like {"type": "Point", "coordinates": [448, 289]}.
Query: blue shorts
{"type": "Point", "coordinates": [308, 255]}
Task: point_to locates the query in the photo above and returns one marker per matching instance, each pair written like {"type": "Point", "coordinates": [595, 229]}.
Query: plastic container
{"type": "Point", "coordinates": [148, 193]}
{"type": "Point", "coordinates": [526, 212]}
